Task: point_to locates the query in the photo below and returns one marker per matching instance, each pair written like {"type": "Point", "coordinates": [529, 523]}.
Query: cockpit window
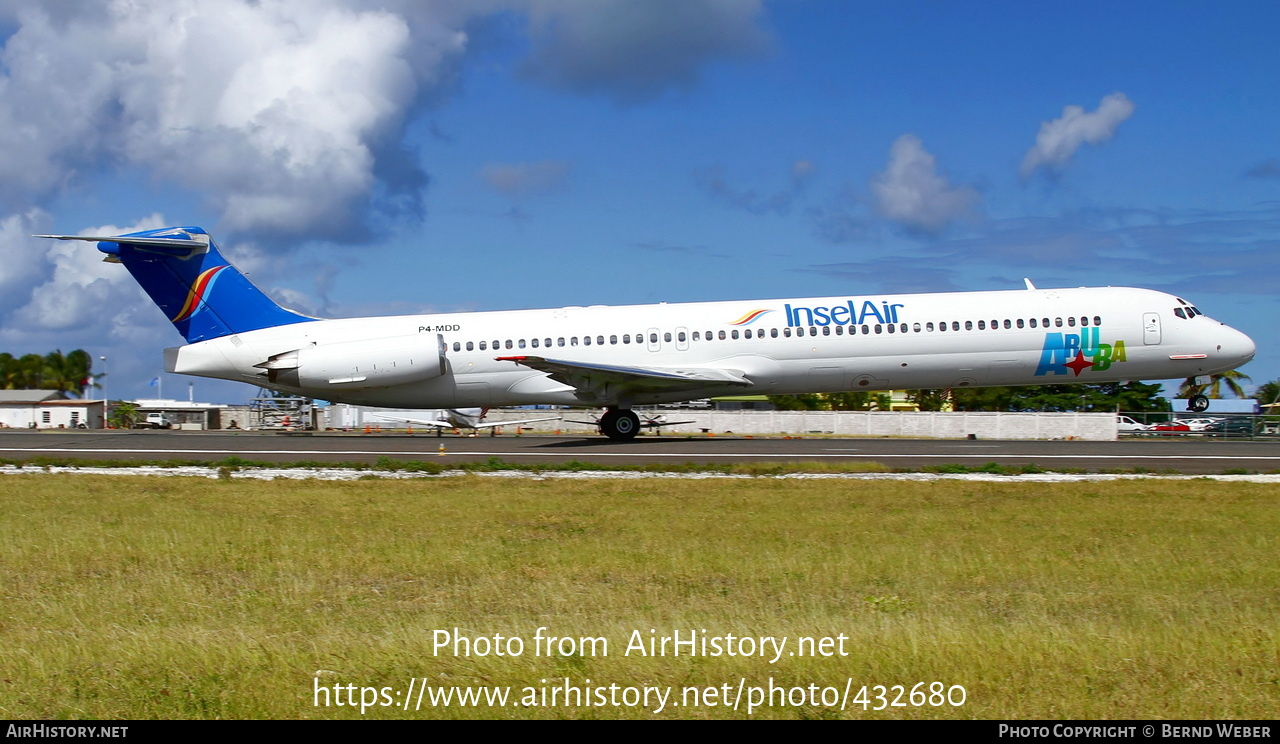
{"type": "Point", "coordinates": [1178, 312]}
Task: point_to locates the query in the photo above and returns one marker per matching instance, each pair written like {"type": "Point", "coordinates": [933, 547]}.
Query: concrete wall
{"type": "Point", "coordinates": [1089, 426]}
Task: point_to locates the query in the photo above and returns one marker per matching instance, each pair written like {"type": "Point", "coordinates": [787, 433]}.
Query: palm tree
{"type": "Point", "coordinates": [1231, 378]}
{"type": "Point", "coordinates": [68, 373]}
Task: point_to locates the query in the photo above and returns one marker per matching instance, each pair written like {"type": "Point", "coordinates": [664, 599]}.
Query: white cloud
{"type": "Point", "coordinates": [276, 111]}
{"type": "Point", "coordinates": [1059, 139]}
{"type": "Point", "coordinates": [911, 193]}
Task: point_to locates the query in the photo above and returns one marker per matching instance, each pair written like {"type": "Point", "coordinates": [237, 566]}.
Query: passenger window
{"type": "Point", "coordinates": [826, 330]}
{"type": "Point", "coordinates": [982, 325]}
{"type": "Point", "coordinates": [653, 338]}
{"type": "Point", "coordinates": [867, 329]}
{"type": "Point", "coordinates": [903, 327]}
{"type": "Point", "coordinates": [773, 332]}
{"type": "Point", "coordinates": [787, 331]}
{"type": "Point", "coordinates": [1057, 322]}
{"type": "Point", "coordinates": [746, 333]}
{"type": "Point", "coordinates": [1097, 320]}
{"type": "Point", "coordinates": [681, 337]}
{"type": "Point", "coordinates": [813, 330]}
{"type": "Point", "coordinates": [1084, 321]}
{"type": "Point", "coordinates": [1071, 322]}
{"type": "Point", "coordinates": [667, 337]}
{"type": "Point", "coordinates": [929, 326]}
{"type": "Point", "coordinates": [697, 335]}
{"type": "Point", "coordinates": [519, 343]}
{"type": "Point", "coordinates": [734, 334]}
{"type": "Point", "coordinates": [1007, 324]}
{"type": "Point", "coordinates": [955, 325]}
{"type": "Point", "coordinates": [968, 325]}
{"type": "Point", "coordinates": [534, 343]}
{"type": "Point", "coordinates": [509, 343]}
{"type": "Point", "coordinates": [547, 343]}
{"type": "Point", "coordinates": [457, 346]}
{"type": "Point", "coordinates": [877, 327]}
{"type": "Point", "coordinates": [573, 340]}
{"type": "Point", "coordinates": [560, 341]}
{"type": "Point", "coordinates": [891, 328]}
{"type": "Point", "coordinates": [626, 338]}
{"type": "Point", "coordinates": [721, 335]}
{"type": "Point", "coordinates": [600, 340]}
{"type": "Point", "coordinates": [483, 346]}
{"type": "Point", "coordinates": [586, 340]}
{"type": "Point", "coordinates": [915, 327]}
{"type": "Point", "coordinates": [471, 346]}
{"type": "Point", "coordinates": [1020, 323]}
{"type": "Point", "coordinates": [839, 330]}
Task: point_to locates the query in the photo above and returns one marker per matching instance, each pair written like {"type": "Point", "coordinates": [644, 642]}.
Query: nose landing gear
{"type": "Point", "coordinates": [1198, 403]}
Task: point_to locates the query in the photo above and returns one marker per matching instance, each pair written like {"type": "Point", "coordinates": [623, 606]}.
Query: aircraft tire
{"type": "Point", "coordinates": [620, 425]}
{"type": "Point", "coordinates": [1198, 403]}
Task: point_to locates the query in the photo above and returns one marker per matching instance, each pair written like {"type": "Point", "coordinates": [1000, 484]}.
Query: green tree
{"type": "Point", "coordinates": [801, 402]}
{"type": "Point", "coordinates": [1268, 392]}
{"type": "Point", "coordinates": [68, 373]}
{"type": "Point", "coordinates": [1231, 378]}
{"type": "Point", "coordinates": [927, 400]}
{"type": "Point", "coordinates": [123, 415]}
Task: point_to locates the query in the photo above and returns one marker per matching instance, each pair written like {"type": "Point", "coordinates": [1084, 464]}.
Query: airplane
{"type": "Point", "coordinates": [619, 357]}
{"type": "Point", "coordinates": [463, 418]}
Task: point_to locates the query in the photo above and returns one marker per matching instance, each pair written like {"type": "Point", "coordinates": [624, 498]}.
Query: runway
{"type": "Point", "coordinates": [1188, 456]}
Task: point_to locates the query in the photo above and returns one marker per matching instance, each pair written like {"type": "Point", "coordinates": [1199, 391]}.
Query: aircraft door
{"type": "Point", "coordinates": [655, 344]}
{"type": "Point", "coordinates": [1150, 328]}
{"type": "Point", "coordinates": [682, 339]}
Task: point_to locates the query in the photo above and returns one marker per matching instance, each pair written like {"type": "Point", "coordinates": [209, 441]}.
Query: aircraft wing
{"type": "Point", "coordinates": [479, 425]}
{"type": "Point", "coordinates": [418, 422]}
{"type": "Point", "coordinates": [490, 424]}
{"type": "Point", "coordinates": [598, 380]}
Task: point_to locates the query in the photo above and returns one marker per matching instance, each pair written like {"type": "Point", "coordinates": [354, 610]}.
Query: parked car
{"type": "Point", "coordinates": [1198, 424]}
{"type": "Point", "coordinates": [1235, 427]}
{"type": "Point", "coordinates": [154, 421]}
{"type": "Point", "coordinates": [1126, 425]}
{"type": "Point", "coordinates": [1169, 428]}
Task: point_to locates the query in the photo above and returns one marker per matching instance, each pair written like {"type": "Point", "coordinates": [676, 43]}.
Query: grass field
{"type": "Point", "coordinates": [135, 597]}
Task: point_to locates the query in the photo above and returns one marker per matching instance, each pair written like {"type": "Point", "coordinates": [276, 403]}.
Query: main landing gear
{"type": "Point", "coordinates": [619, 424]}
{"type": "Point", "coordinates": [1198, 403]}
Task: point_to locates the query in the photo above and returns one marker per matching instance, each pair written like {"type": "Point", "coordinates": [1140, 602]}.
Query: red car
{"type": "Point", "coordinates": [1169, 428]}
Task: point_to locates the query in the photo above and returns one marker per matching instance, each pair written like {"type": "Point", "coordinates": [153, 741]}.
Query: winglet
{"type": "Point", "coordinates": [1029, 284]}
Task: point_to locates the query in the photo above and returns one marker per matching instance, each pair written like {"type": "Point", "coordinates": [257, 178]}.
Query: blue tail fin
{"type": "Point", "coordinates": [184, 273]}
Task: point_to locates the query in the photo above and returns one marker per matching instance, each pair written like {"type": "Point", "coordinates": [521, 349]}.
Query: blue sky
{"type": "Point", "coordinates": [387, 157]}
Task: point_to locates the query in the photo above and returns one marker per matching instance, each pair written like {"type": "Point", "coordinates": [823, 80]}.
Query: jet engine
{"type": "Point", "coordinates": [369, 363]}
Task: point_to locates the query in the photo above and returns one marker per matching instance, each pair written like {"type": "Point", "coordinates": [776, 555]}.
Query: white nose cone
{"type": "Point", "coordinates": [1235, 347]}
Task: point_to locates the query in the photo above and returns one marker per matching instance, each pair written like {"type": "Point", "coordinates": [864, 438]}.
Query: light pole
{"type": "Point", "coordinates": [106, 402]}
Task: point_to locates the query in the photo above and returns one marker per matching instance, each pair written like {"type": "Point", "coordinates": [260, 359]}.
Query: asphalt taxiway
{"type": "Point", "coordinates": [1183, 455]}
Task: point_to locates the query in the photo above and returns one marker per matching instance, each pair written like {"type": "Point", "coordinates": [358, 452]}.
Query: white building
{"type": "Point", "coordinates": [48, 409]}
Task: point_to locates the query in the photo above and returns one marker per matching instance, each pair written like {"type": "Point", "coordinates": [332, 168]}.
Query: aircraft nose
{"type": "Point", "coordinates": [1235, 347]}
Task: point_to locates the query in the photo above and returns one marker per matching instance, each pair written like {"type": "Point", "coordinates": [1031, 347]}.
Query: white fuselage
{"type": "Point", "coordinates": [800, 345]}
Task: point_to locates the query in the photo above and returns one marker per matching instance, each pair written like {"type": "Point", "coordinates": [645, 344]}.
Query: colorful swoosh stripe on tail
{"type": "Point", "coordinates": [197, 293]}
{"type": "Point", "coordinates": [750, 317]}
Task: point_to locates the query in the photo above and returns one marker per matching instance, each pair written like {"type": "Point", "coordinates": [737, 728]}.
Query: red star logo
{"type": "Point", "coordinates": [1078, 364]}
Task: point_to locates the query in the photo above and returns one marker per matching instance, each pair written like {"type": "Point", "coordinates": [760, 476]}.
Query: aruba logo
{"type": "Point", "coordinates": [195, 298]}
{"type": "Point", "coordinates": [1067, 351]}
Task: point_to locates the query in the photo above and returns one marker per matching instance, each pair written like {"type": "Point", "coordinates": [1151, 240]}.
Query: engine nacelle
{"type": "Point", "coordinates": [350, 365]}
